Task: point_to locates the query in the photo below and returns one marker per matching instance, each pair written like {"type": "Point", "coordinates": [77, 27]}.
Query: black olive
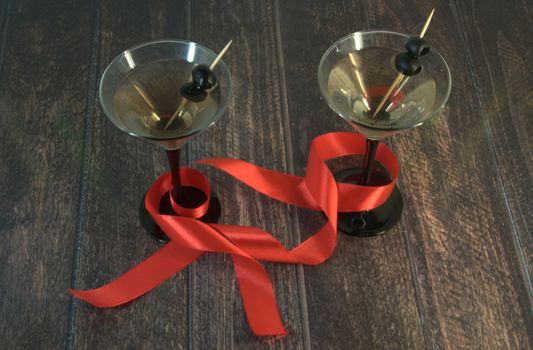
{"type": "Point", "coordinates": [407, 64]}
{"type": "Point", "coordinates": [192, 93]}
{"type": "Point", "coordinates": [203, 77]}
{"type": "Point", "coordinates": [417, 46]}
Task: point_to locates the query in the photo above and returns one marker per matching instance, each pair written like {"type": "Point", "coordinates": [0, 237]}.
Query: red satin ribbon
{"type": "Point", "coordinates": [193, 178]}
{"type": "Point", "coordinates": [190, 238]}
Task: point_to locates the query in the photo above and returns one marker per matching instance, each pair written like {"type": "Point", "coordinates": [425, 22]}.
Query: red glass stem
{"type": "Point", "coordinates": [370, 155]}
{"type": "Point", "coordinates": [174, 162]}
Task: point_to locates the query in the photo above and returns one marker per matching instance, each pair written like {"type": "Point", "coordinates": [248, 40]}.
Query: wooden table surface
{"type": "Point", "coordinates": [455, 273]}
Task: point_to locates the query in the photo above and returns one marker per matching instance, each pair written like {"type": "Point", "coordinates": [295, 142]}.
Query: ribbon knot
{"type": "Point", "coordinates": [190, 238]}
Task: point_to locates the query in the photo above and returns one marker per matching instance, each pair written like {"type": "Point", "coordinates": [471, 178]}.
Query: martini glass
{"type": "Point", "coordinates": [140, 94]}
{"type": "Point", "coordinates": [353, 76]}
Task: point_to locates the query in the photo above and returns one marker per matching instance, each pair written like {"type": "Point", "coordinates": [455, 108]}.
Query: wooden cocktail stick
{"type": "Point", "coordinates": [426, 25]}
{"type": "Point", "coordinates": [400, 76]}
{"type": "Point", "coordinates": [177, 112]}
{"type": "Point", "coordinates": [183, 103]}
{"type": "Point", "coordinates": [395, 83]}
{"type": "Point", "coordinates": [222, 52]}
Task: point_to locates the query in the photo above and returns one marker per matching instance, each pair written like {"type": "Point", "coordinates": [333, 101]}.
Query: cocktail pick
{"type": "Point", "coordinates": [219, 57]}
{"type": "Point", "coordinates": [184, 102]}
{"type": "Point", "coordinates": [400, 75]}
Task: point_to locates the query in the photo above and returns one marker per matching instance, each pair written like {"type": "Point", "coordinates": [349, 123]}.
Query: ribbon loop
{"type": "Point", "coordinates": [192, 178]}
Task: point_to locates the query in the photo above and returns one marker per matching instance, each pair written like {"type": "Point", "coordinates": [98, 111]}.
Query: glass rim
{"type": "Point", "coordinates": [221, 63]}
{"type": "Point", "coordinates": [392, 33]}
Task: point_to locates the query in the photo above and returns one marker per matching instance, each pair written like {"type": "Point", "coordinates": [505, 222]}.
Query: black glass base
{"type": "Point", "coordinates": [372, 222]}
{"type": "Point", "coordinates": [191, 198]}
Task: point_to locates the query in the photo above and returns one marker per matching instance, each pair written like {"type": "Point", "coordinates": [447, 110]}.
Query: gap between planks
{"type": "Point", "coordinates": [84, 174]}
{"type": "Point", "coordinates": [300, 276]}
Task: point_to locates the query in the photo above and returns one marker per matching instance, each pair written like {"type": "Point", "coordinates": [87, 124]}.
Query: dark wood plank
{"type": "Point", "coordinates": [44, 55]}
{"type": "Point", "coordinates": [499, 54]}
{"type": "Point", "coordinates": [363, 296]}
{"type": "Point", "coordinates": [252, 130]}
{"type": "Point", "coordinates": [467, 273]}
{"type": "Point", "coordinates": [5, 9]}
{"type": "Point", "coordinates": [121, 169]}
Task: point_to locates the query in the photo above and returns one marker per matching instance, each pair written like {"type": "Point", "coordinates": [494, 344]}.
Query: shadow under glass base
{"type": "Point", "coordinates": [372, 222]}
{"type": "Point", "coordinates": [191, 198]}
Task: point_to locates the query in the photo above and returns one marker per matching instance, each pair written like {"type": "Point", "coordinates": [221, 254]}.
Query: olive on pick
{"type": "Point", "coordinates": [202, 79]}
{"type": "Point", "coordinates": [417, 46]}
{"type": "Point", "coordinates": [407, 65]}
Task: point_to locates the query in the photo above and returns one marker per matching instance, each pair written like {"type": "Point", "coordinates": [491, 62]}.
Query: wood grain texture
{"type": "Point", "coordinates": [454, 274]}
{"type": "Point", "coordinates": [499, 57]}
{"type": "Point", "coordinates": [251, 130]}
{"type": "Point", "coordinates": [363, 296]}
{"type": "Point", "coordinates": [467, 272]}
{"type": "Point", "coordinates": [121, 169]}
{"type": "Point", "coordinates": [42, 107]}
